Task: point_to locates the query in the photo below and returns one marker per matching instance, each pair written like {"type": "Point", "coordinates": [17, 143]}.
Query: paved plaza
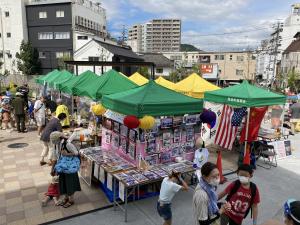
{"type": "Point", "coordinates": [23, 183]}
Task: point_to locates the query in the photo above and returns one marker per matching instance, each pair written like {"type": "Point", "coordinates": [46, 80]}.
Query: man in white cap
{"type": "Point", "coordinates": [19, 105]}
{"type": "Point", "coordinates": [201, 155]}
{"type": "Point", "coordinates": [61, 108]}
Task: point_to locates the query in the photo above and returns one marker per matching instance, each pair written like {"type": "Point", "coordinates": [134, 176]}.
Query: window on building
{"type": "Point", "coordinates": [219, 57]}
{"type": "Point", "coordinates": [9, 55]}
{"type": "Point", "coordinates": [94, 58]}
{"type": "Point", "coordinates": [42, 55]}
{"type": "Point", "coordinates": [240, 58]}
{"type": "Point", "coordinates": [60, 13]}
{"type": "Point", "coordinates": [6, 14]}
{"type": "Point", "coordinates": [8, 34]}
{"type": "Point", "coordinates": [1, 54]}
{"type": "Point", "coordinates": [239, 72]}
{"type": "Point", "coordinates": [82, 37]}
{"type": "Point", "coordinates": [0, 35]}
{"type": "Point", "coordinates": [62, 54]}
{"type": "Point", "coordinates": [62, 35]}
{"type": "Point", "coordinates": [230, 57]}
{"type": "Point", "coordinates": [42, 15]}
{"type": "Point", "coordinates": [45, 35]}
{"type": "Point", "coordinates": [159, 70]}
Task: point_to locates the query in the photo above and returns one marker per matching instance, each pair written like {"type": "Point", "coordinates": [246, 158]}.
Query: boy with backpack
{"type": "Point", "coordinates": [243, 196]}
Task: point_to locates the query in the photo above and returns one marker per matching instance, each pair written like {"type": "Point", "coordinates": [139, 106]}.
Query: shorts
{"type": "Point", "coordinates": [164, 211]}
{"type": "Point", "coordinates": [40, 121]}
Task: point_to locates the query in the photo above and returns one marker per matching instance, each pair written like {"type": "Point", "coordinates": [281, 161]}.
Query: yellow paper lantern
{"type": "Point", "coordinates": [147, 122]}
{"type": "Point", "coordinates": [98, 109]}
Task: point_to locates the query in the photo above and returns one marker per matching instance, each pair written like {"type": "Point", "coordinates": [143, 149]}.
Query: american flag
{"type": "Point", "coordinates": [226, 133]}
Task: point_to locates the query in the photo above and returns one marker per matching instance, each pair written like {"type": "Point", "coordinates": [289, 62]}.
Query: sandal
{"type": "Point", "coordinates": [62, 202]}
{"type": "Point", "coordinates": [68, 204]}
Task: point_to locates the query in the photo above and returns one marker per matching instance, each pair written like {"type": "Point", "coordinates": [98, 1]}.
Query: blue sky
{"type": "Point", "coordinates": [202, 17]}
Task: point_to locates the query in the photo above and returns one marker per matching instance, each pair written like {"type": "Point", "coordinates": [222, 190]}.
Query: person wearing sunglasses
{"type": "Point", "coordinates": [292, 212]}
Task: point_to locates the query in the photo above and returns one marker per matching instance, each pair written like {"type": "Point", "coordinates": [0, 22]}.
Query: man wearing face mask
{"type": "Point", "coordinates": [243, 196]}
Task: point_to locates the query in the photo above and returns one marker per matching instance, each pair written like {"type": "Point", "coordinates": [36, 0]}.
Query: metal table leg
{"type": "Point", "coordinates": [114, 195]}
{"type": "Point", "coordinates": [126, 190]}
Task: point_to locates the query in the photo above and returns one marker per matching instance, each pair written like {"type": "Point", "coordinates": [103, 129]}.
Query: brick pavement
{"type": "Point", "coordinates": [23, 183]}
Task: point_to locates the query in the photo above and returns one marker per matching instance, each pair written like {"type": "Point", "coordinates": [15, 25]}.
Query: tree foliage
{"type": "Point", "coordinates": [144, 71]}
{"type": "Point", "coordinates": [28, 59]}
{"type": "Point", "coordinates": [293, 80]}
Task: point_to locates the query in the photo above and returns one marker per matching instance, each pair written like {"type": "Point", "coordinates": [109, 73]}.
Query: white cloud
{"type": "Point", "coordinates": [113, 8]}
{"type": "Point", "coordinates": [192, 10]}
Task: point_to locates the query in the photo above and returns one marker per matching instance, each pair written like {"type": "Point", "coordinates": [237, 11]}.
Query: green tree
{"type": "Point", "coordinates": [144, 71]}
{"type": "Point", "coordinates": [61, 63]}
{"type": "Point", "coordinates": [28, 59]}
{"type": "Point", "coordinates": [196, 69]}
{"type": "Point", "coordinates": [293, 80]}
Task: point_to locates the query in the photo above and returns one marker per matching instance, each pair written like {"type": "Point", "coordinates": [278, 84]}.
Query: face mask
{"type": "Point", "coordinates": [215, 182]}
{"type": "Point", "coordinates": [244, 180]}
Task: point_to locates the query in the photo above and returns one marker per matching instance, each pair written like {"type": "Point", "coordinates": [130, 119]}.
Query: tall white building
{"type": "Point", "coordinates": [158, 35]}
{"type": "Point", "coordinates": [13, 30]}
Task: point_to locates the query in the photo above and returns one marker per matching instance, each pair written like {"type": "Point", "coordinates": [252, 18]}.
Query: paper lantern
{"type": "Point", "coordinates": [147, 122]}
{"type": "Point", "coordinates": [131, 122]}
{"type": "Point", "coordinates": [209, 117]}
{"type": "Point", "coordinates": [98, 109]}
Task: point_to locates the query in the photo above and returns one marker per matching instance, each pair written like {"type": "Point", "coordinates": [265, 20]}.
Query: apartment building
{"type": "Point", "coordinates": [224, 66]}
{"type": "Point", "coordinates": [156, 36]}
{"type": "Point", "coordinates": [13, 30]}
{"type": "Point", "coordinates": [58, 27]}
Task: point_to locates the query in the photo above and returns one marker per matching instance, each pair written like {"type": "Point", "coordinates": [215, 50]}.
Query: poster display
{"type": "Point", "coordinates": [102, 175]}
{"type": "Point", "coordinates": [109, 181]}
{"type": "Point", "coordinates": [96, 171]}
{"type": "Point", "coordinates": [282, 148]}
{"type": "Point", "coordinates": [121, 191]}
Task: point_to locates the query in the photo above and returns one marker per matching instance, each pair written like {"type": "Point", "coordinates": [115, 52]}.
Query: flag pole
{"type": "Point", "coordinates": [247, 130]}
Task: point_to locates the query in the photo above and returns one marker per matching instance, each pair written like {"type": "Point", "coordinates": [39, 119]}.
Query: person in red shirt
{"type": "Point", "coordinates": [243, 197]}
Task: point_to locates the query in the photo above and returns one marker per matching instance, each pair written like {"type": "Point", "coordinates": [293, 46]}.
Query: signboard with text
{"type": "Point", "coordinates": [209, 70]}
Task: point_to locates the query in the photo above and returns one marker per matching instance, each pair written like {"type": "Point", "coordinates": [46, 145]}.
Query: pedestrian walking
{"type": "Point", "coordinates": [19, 105]}
{"type": "Point", "coordinates": [24, 90]}
{"type": "Point", "coordinates": [53, 125]}
{"type": "Point", "coordinates": [5, 112]}
{"type": "Point", "coordinates": [205, 199]}
{"type": "Point", "coordinates": [169, 187]}
{"type": "Point", "coordinates": [292, 212]}
{"type": "Point", "coordinates": [243, 196]}
{"type": "Point", "coordinates": [40, 114]}
{"type": "Point", "coordinates": [295, 116]}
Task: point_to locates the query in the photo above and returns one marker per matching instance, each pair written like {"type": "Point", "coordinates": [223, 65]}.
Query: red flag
{"type": "Point", "coordinates": [226, 133]}
{"type": "Point", "coordinates": [256, 116]}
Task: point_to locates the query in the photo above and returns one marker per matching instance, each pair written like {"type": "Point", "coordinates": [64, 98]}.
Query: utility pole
{"type": "Point", "coordinates": [123, 37]}
{"type": "Point", "coordinates": [276, 41]}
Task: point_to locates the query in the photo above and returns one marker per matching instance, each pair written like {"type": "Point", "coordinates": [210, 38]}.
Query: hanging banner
{"type": "Point", "coordinates": [114, 116]}
{"type": "Point", "coordinates": [208, 134]}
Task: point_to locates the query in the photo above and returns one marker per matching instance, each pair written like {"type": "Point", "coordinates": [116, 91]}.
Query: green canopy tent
{"type": "Point", "coordinates": [68, 86]}
{"type": "Point", "coordinates": [152, 99]}
{"type": "Point", "coordinates": [42, 79]}
{"type": "Point", "coordinates": [88, 78]}
{"type": "Point", "coordinates": [109, 83]}
{"type": "Point", "coordinates": [63, 76]}
{"type": "Point", "coordinates": [245, 95]}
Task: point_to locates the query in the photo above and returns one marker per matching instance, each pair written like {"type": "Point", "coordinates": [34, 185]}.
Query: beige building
{"type": "Point", "coordinates": [156, 36]}
{"type": "Point", "coordinates": [227, 66]}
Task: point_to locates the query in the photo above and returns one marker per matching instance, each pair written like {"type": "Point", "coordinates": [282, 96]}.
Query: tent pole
{"type": "Point", "coordinates": [247, 130]}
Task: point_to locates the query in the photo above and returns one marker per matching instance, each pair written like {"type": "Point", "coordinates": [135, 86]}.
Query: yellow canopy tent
{"type": "Point", "coordinates": [138, 79]}
{"type": "Point", "coordinates": [195, 86]}
{"type": "Point", "coordinates": [165, 83]}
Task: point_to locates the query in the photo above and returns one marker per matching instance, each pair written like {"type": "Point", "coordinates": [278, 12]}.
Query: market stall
{"type": "Point", "coordinates": [194, 86]}
{"type": "Point", "coordinates": [63, 76]}
{"type": "Point", "coordinates": [138, 79]}
{"type": "Point", "coordinates": [241, 100]}
{"type": "Point", "coordinates": [108, 83]}
{"type": "Point", "coordinates": [165, 83]}
{"type": "Point", "coordinates": [41, 80]}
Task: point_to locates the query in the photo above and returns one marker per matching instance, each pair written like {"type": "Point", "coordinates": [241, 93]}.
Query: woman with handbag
{"type": "Point", "coordinates": [205, 199]}
{"type": "Point", "coordinates": [67, 167]}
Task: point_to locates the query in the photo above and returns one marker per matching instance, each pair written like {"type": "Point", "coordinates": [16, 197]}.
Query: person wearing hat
{"type": "Point", "coordinates": [19, 105]}
{"type": "Point", "coordinates": [61, 108]}
{"type": "Point", "coordinates": [292, 212]}
{"type": "Point", "coordinates": [201, 156]}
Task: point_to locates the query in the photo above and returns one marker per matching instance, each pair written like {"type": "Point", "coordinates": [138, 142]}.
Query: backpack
{"type": "Point", "coordinates": [235, 188]}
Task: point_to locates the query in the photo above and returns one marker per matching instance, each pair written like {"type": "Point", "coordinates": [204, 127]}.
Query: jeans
{"type": "Point", "coordinates": [20, 121]}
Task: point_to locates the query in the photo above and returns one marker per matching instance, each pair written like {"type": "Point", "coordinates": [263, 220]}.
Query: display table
{"type": "Point", "coordinates": [114, 173]}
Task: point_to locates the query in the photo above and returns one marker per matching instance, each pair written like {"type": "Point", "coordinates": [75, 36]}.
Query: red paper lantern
{"type": "Point", "coordinates": [131, 122]}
